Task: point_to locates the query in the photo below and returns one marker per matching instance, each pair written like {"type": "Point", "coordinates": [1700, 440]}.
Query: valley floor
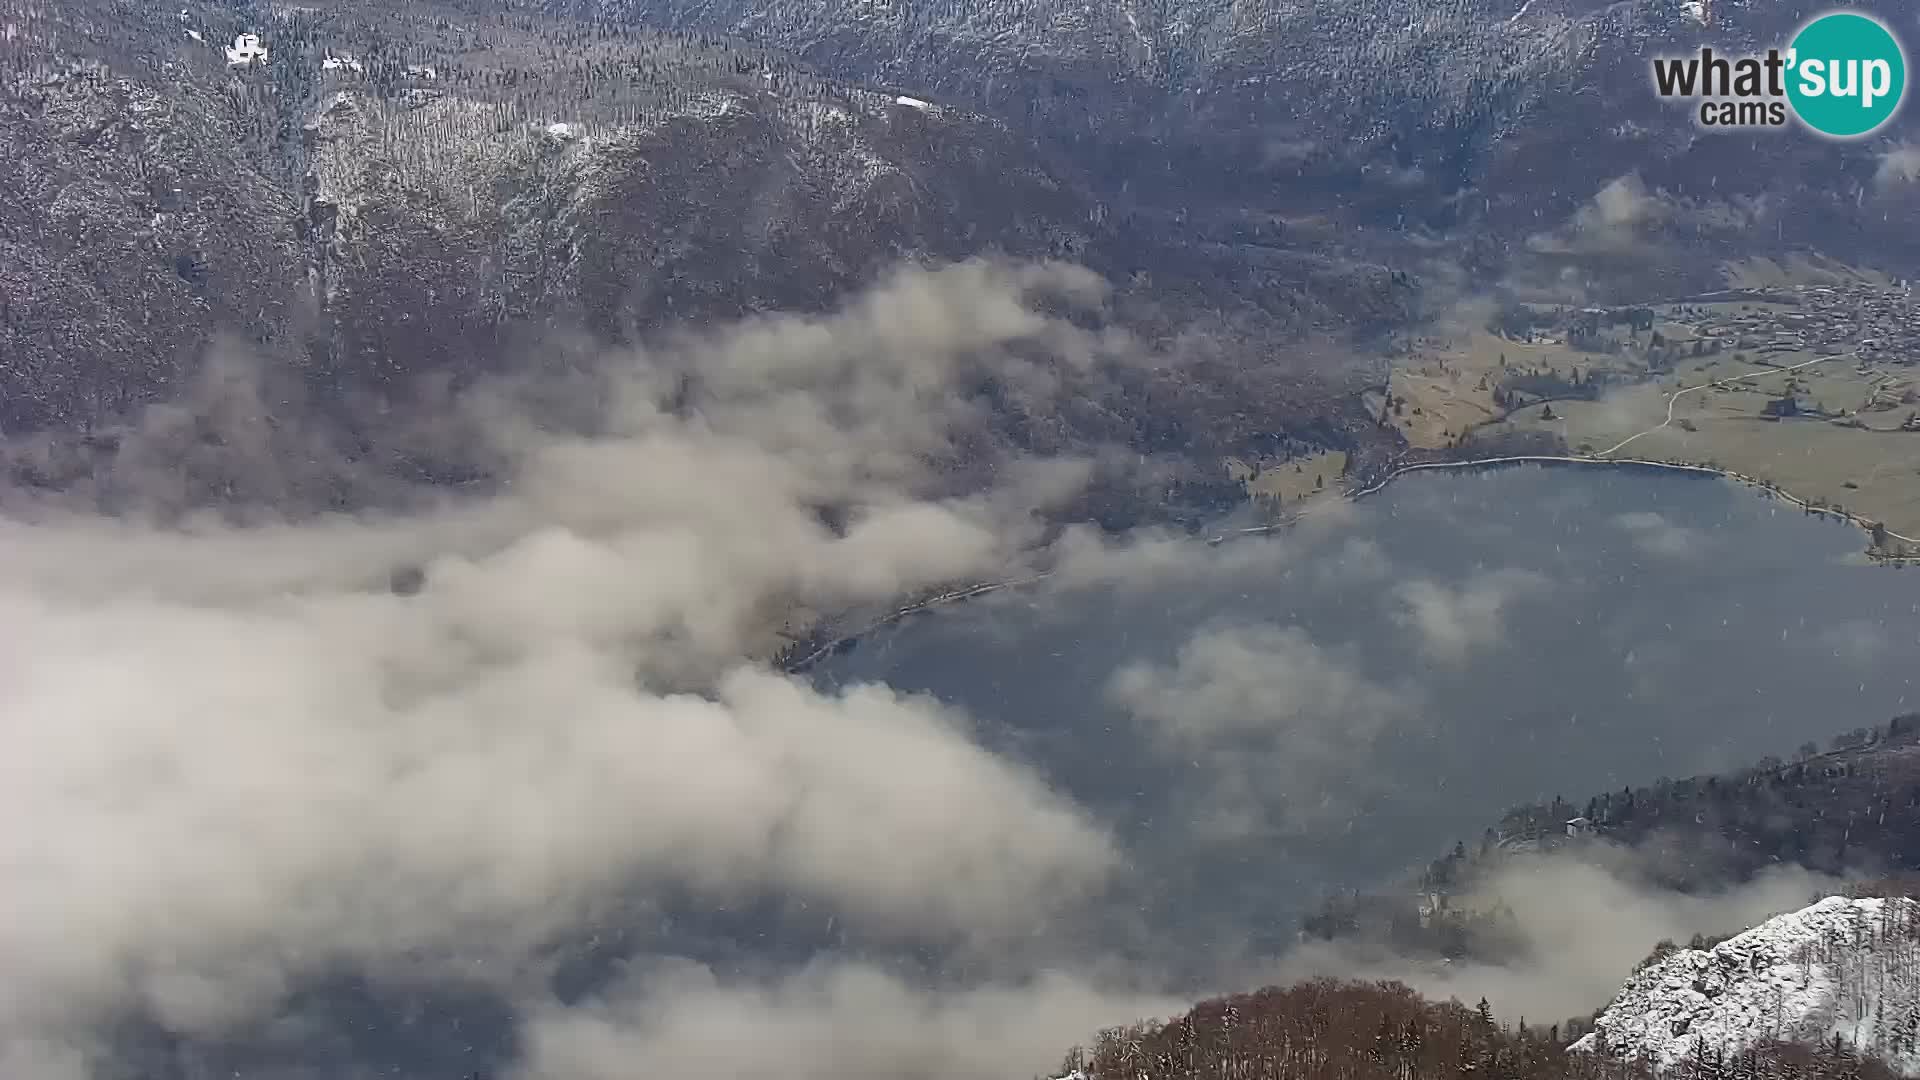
{"type": "Point", "coordinates": [1814, 405]}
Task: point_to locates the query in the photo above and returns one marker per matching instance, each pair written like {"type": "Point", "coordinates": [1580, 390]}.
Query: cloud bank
{"type": "Point", "coordinates": [236, 758]}
{"type": "Point", "coordinates": [1276, 724]}
{"type": "Point", "coordinates": [1450, 623]}
{"type": "Point", "coordinates": [1581, 923]}
{"type": "Point", "coordinates": [837, 1022]}
{"type": "Point", "coordinates": [507, 736]}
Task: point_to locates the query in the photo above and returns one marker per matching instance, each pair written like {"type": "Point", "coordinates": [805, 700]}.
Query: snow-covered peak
{"type": "Point", "coordinates": [1846, 967]}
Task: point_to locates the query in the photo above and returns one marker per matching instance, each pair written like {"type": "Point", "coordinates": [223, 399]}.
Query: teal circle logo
{"type": "Point", "coordinates": [1846, 74]}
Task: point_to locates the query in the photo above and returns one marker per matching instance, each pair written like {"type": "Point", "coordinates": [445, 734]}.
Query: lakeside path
{"type": "Point", "coordinates": [1605, 457]}
{"type": "Point", "coordinates": [1646, 463]}
{"type": "Point", "coordinates": [1674, 398]}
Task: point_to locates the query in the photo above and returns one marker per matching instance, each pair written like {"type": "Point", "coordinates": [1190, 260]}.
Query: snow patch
{"type": "Point", "coordinates": [246, 49]}
{"type": "Point", "coordinates": [342, 62]}
{"type": "Point", "coordinates": [1842, 967]}
{"type": "Point", "coordinates": [1139, 36]}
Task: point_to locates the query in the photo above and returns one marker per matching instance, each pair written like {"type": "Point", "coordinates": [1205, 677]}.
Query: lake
{"type": "Point", "coordinates": [1274, 718]}
{"type": "Point", "coordinates": [1258, 723]}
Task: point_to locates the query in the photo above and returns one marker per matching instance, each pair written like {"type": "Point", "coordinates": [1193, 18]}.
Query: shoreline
{"type": "Point", "coordinates": [1863, 523]}
{"type": "Point", "coordinates": [951, 596]}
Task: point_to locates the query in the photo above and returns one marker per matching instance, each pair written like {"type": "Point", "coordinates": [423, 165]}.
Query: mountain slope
{"type": "Point", "coordinates": [1330, 1030]}
{"type": "Point", "coordinates": [1844, 968]}
{"type": "Point", "coordinates": [399, 199]}
{"type": "Point", "coordinates": [1487, 119]}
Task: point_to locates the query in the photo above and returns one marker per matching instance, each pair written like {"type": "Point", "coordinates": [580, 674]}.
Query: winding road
{"type": "Point", "coordinates": [1674, 398]}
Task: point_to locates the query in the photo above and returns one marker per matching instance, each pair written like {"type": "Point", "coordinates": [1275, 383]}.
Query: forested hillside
{"type": "Point", "coordinates": [1852, 809]}
{"type": "Point", "coordinates": [1483, 121]}
{"type": "Point", "coordinates": [377, 205]}
{"type": "Point", "coordinates": [1330, 1030]}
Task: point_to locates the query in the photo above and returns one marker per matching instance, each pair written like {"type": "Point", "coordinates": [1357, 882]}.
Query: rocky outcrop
{"type": "Point", "coordinates": [1845, 969]}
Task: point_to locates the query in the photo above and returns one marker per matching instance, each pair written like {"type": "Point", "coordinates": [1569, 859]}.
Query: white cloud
{"type": "Point", "coordinates": [1616, 219]}
{"type": "Point", "coordinates": [1579, 927]}
{"type": "Point", "coordinates": [230, 756]}
{"type": "Point", "coordinates": [1278, 723]}
{"type": "Point", "coordinates": [1898, 165]}
{"type": "Point", "coordinates": [1654, 534]}
{"type": "Point", "coordinates": [836, 1022]}
{"type": "Point", "coordinates": [1451, 623]}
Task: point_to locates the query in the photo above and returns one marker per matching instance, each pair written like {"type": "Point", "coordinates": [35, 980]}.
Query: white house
{"type": "Point", "coordinates": [245, 50]}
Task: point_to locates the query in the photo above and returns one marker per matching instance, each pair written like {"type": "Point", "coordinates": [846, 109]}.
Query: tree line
{"type": "Point", "coordinates": [1327, 1029]}
{"type": "Point", "coordinates": [1854, 805]}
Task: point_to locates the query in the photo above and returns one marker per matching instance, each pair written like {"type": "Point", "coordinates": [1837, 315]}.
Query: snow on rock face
{"type": "Point", "coordinates": [246, 49]}
{"type": "Point", "coordinates": [1846, 967]}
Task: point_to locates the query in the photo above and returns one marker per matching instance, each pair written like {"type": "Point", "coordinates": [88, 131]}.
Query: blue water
{"type": "Point", "coordinates": [1585, 629]}
{"type": "Point", "coordinates": [1263, 721]}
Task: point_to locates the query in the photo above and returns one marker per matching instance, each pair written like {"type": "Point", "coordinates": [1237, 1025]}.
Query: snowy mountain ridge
{"type": "Point", "coordinates": [1843, 967]}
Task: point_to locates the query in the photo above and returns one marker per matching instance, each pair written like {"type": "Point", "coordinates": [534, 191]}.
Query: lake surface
{"type": "Point", "coordinates": [1271, 719]}
{"type": "Point", "coordinates": [1264, 721]}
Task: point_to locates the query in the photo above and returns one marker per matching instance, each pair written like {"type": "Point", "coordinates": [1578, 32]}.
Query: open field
{"type": "Point", "coordinates": [1839, 431]}
{"type": "Point", "coordinates": [1872, 470]}
{"type": "Point", "coordinates": [1290, 481]}
{"type": "Point", "coordinates": [1445, 387]}
{"type": "Point", "coordinates": [1763, 273]}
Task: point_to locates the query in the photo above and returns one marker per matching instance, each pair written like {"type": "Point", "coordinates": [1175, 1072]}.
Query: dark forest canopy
{"type": "Point", "coordinates": [1853, 808]}
{"type": "Point", "coordinates": [1331, 1030]}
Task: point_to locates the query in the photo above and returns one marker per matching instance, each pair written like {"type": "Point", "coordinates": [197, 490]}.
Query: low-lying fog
{"type": "Point", "coordinates": [1270, 719]}
{"type": "Point", "coordinates": [534, 816]}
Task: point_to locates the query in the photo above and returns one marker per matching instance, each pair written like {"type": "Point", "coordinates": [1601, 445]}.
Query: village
{"type": "Point", "coordinates": [1880, 323]}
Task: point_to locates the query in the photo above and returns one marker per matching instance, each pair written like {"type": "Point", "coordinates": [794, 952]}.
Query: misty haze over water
{"type": "Point", "coordinates": [1152, 766]}
{"type": "Point", "coordinates": [1269, 719]}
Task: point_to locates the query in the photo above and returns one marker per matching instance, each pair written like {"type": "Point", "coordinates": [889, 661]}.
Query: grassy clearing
{"type": "Point", "coordinates": [1290, 481]}
{"type": "Point", "coordinates": [1845, 448]}
{"type": "Point", "coordinates": [1872, 470]}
